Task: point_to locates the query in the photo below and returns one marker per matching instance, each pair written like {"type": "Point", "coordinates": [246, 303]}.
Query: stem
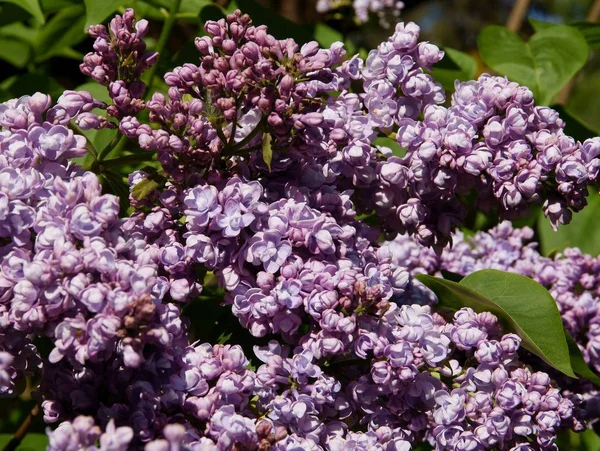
{"type": "Point", "coordinates": [89, 146]}
{"type": "Point", "coordinates": [517, 15]}
{"type": "Point", "coordinates": [162, 41]}
{"type": "Point", "coordinates": [127, 159]}
{"type": "Point", "coordinates": [116, 144]}
{"type": "Point", "coordinates": [228, 151]}
{"type": "Point", "coordinates": [16, 440]}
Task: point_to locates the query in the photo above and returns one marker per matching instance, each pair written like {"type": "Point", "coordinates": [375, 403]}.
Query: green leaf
{"type": "Point", "coordinates": [18, 31]}
{"type": "Point", "coordinates": [581, 232]}
{"type": "Point", "coordinates": [143, 189]}
{"type": "Point", "coordinates": [574, 125]}
{"type": "Point", "coordinates": [521, 304]}
{"type": "Point", "coordinates": [14, 51]}
{"type": "Point", "coordinates": [51, 6]}
{"type": "Point", "coordinates": [119, 188]}
{"type": "Point", "coordinates": [98, 91]}
{"type": "Point", "coordinates": [326, 36]}
{"type": "Point", "coordinates": [590, 440]}
{"type": "Point", "coordinates": [545, 64]}
{"type": "Point", "coordinates": [12, 14]}
{"type": "Point", "coordinates": [27, 84]}
{"type": "Point", "coordinates": [267, 150]}
{"type": "Point", "coordinates": [449, 275]}
{"type": "Point", "coordinates": [578, 363]}
{"type": "Point", "coordinates": [31, 6]}
{"type": "Point", "coordinates": [590, 31]}
{"type": "Point", "coordinates": [539, 25]}
{"type": "Point", "coordinates": [279, 27]}
{"type": "Point", "coordinates": [98, 10]}
{"type": "Point", "coordinates": [531, 308]}
{"type": "Point", "coordinates": [210, 12]}
{"type": "Point", "coordinates": [194, 6]}
{"type": "Point", "coordinates": [455, 65]}
{"type": "Point", "coordinates": [62, 31]}
{"type": "Point", "coordinates": [224, 337]}
{"type": "Point", "coordinates": [31, 442]}
{"type": "Point", "coordinates": [587, 440]}
{"type": "Point", "coordinates": [384, 141]}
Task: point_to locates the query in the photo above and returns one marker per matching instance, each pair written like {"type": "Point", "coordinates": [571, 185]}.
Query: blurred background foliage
{"type": "Point", "coordinates": [43, 41]}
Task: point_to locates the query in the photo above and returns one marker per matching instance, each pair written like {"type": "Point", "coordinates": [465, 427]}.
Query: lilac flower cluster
{"type": "Point", "coordinates": [495, 142]}
{"type": "Point", "coordinates": [102, 289]}
{"type": "Point", "coordinates": [570, 276]}
{"type": "Point", "coordinates": [247, 83]}
{"type": "Point", "coordinates": [119, 59]}
{"type": "Point", "coordinates": [363, 9]}
{"type": "Point", "coordinates": [264, 174]}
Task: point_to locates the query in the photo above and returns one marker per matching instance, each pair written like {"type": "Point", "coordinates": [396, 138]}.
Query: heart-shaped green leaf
{"type": "Point", "coordinates": [545, 64]}
{"type": "Point", "coordinates": [521, 304]}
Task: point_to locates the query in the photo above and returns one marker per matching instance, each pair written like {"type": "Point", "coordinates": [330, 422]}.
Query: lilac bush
{"type": "Point", "coordinates": [262, 201]}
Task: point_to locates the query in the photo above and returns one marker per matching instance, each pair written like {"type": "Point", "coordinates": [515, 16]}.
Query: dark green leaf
{"type": "Point", "coordinates": [590, 440]}
{"type": "Point", "coordinates": [31, 6]}
{"type": "Point", "coordinates": [279, 27]}
{"type": "Point", "coordinates": [98, 10]}
{"type": "Point", "coordinates": [326, 35]}
{"type": "Point", "coordinates": [194, 6]}
{"type": "Point", "coordinates": [590, 31]}
{"type": "Point", "coordinates": [397, 149]}
{"type": "Point", "coordinates": [574, 125]}
{"type": "Point", "coordinates": [521, 304]}
{"type": "Point", "coordinates": [539, 25]}
{"type": "Point", "coordinates": [119, 188]}
{"type": "Point", "coordinates": [455, 65]}
{"type": "Point", "coordinates": [27, 84]}
{"type": "Point", "coordinates": [581, 232]}
{"type": "Point", "coordinates": [211, 12]}
{"type": "Point", "coordinates": [62, 31]}
{"type": "Point", "coordinates": [97, 90]}
{"type": "Point", "coordinates": [531, 308]}
{"type": "Point", "coordinates": [19, 31]}
{"type": "Point", "coordinates": [31, 442]}
{"type": "Point", "coordinates": [587, 440]}
{"type": "Point", "coordinates": [100, 138]}
{"type": "Point", "coordinates": [578, 363]}
{"type": "Point", "coordinates": [143, 189]}
{"type": "Point", "coordinates": [449, 275]}
{"type": "Point", "coordinates": [267, 150]}
{"type": "Point", "coordinates": [50, 6]}
{"type": "Point", "coordinates": [11, 14]}
{"type": "Point", "coordinates": [15, 51]}
{"type": "Point", "coordinates": [545, 64]}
